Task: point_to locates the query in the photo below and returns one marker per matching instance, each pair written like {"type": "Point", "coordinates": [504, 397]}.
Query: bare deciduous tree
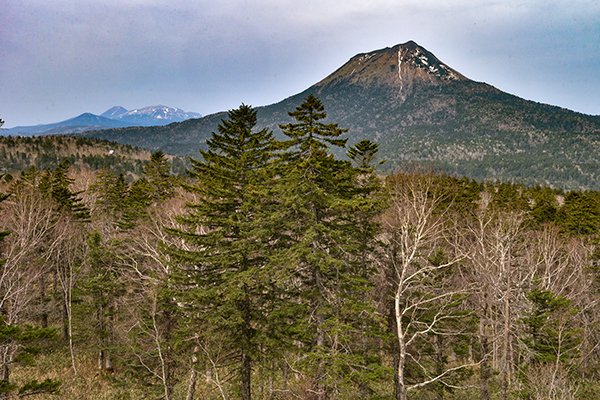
{"type": "Point", "coordinates": [27, 216]}
{"type": "Point", "coordinates": [493, 245]}
{"type": "Point", "coordinates": [423, 300]}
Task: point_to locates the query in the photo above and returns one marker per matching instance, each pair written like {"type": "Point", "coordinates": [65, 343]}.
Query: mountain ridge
{"type": "Point", "coordinates": [420, 110]}
{"type": "Point", "coordinates": [114, 117]}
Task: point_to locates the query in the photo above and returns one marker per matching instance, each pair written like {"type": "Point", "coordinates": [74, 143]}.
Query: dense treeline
{"type": "Point", "coordinates": [17, 153]}
{"type": "Point", "coordinates": [275, 270]}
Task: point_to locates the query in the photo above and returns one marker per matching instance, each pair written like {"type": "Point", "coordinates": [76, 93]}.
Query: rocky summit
{"type": "Point", "coordinates": [402, 67]}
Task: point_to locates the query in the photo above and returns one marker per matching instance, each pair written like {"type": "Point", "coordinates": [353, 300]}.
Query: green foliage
{"type": "Point", "coordinates": [363, 154]}
{"type": "Point", "coordinates": [27, 339]}
{"type": "Point", "coordinates": [325, 216]}
{"type": "Point", "coordinates": [157, 172]}
{"type": "Point", "coordinates": [111, 194]}
{"type": "Point", "coordinates": [507, 196]}
{"type": "Point", "coordinates": [224, 276]}
{"type": "Point", "coordinates": [580, 213]}
{"type": "Point", "coordinates": [545, 205]}
{"type": "Point", "coordinates": [56, 183]}
{"type": "Point", "coordinates": [275, 271]}
{"type": "Point", "coordinates": [125, 205]}
{"type": "Point", "coordinates": [135, 203]}
{"type": "Point", "coordinates": [99, 291]}
{"type": "Point", "coordinates": [34, 387]}
{"type": "Point", "coordinates": [552, 335]}
{"type": "Point", "coordinates": [46, 152]}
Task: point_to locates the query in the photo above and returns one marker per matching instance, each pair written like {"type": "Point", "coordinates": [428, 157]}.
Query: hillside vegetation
{"type": "Point", "coordinates": [20, 153]}
{"type": "Point", "coordinates": [277, 270]}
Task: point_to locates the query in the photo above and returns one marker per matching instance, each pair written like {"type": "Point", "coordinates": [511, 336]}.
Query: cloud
{"type": "Point", "coordinates": [65, 56]}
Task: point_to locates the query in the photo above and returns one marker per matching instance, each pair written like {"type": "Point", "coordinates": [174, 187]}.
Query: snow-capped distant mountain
{"type": "Point", "coordinates": [114, 117]}
{"type": "Point", "coordinates": [114, 112]}
{"type": "Point", "coordinates": [81, 123]}
{"type": "Point", "coordinates": [150, 116]}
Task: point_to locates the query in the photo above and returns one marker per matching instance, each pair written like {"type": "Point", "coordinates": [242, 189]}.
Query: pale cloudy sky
{"type": "Point", "coordinates": [60, 58]}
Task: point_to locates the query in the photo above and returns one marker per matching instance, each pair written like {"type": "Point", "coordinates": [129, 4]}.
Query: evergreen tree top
{"type": "Point", "coordinates": [235, 149]}
{"type": "Point", "coordinates": [308, 133]}
{"type": "Point", "coordinates": [363, 154]}
{"type": "Point", "coordinates": [57, 183]}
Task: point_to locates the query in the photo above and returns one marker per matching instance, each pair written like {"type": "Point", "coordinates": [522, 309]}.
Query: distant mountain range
{"type": "Point", "coordinates": [422, 111]}
{"type": "Point", "coordinates": [149, 116]}
{"type": "Point", "coordinates": [115, 117]}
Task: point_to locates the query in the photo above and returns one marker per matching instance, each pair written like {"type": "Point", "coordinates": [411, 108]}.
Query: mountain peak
{"type": "Point", "coordinates": [401, 66]}
{"type": "Point", "coordinates": [114, 112]}
{"type": "Point", "coordinates": [411, 45]}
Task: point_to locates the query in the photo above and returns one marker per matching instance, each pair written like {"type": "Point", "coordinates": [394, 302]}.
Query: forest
{"type": "Point", "coordinates": [274, 269]}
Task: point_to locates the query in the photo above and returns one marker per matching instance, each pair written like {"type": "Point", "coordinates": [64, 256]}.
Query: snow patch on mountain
{"type": "Point", "coordinates": [151, 115]}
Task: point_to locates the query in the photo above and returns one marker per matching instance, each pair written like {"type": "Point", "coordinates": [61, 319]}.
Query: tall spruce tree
{"type": "Point", "coordinates": [317, 196]}
{"type": "Point", "coordinates": [368, 201]}
{"type": "Point", "coordinates": [100, 290]}
{"type": "Point", "coordinates": [223, 271]}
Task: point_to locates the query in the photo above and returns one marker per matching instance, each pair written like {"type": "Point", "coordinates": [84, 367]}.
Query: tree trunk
{"type": "Point", "coordinates": [71, 345]}
{"type": "Point", "coordinates": [101, 360]}
{"type": "Point", "coordinates": [44, 311]}
{"type": "Point", "coordinates": [506, 356]}
{"type": "Point", "coordinates": [401, 386]}
{"type": "Point", "coordinates": [65, 320]}
{"type": "Point", "coordinates": [108, 365]}
{"type": "Point", "coordinates": [191, 390]}
{"type": "Point", "coordinates": [246, 367]}
{"type": "Point", "coordinates": [6, 363]}
{"type": "Point", "coordinates": [395, 351]}
{"type": "Point", "coordinates": [5, 371]}
{"type": "Point", "coordinates": [484, 367]}
{"type": "Point", "coordinates": [318, 385]}
{"type": "Point", "coordinates": [193, 375]}
{"type": "Point", "coordinates": [440, 366]}
{"type": "Point", "coordinates": [246, 377]}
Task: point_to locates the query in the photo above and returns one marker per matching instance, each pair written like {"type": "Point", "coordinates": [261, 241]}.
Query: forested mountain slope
{"type": "Point", "coordinates": [42, 152]}
{"type": "Point", "coordinates": [420, 110]}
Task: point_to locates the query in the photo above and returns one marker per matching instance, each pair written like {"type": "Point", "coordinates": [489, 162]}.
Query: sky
{"type": "Point", "coordinates": [61, 58]}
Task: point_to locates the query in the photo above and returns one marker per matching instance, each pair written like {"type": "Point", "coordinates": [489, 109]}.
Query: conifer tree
{"type": "Point", "coordinates": [111, 193]}
{"type": "Point", "coordinates": [57, 184]}
{"type": "Point", "coordinates": [100, 291]}
{"type": "Point", "coordinates": [552, 335]}
{"type": "Point", "coordinates": [581, 213]}
{"type": "Point", "coordinates": [161, 184]}
{"type": "Point", "coordinates": [363, 155]}
{"type": "Point", "coordinates": [317, 196]}
{"type": "Point", "coordinates": [136, 201]}
{"type": "Point", "coordinates": [368, 201]}
{"type": "Point", "coordinates": [224, 273]}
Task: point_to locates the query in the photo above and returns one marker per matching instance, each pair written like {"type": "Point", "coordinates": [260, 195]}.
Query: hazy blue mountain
{"type": "Point", "coordinates": [420, 110]}
{"type": "Point", "coordinates": [115, 117]}
{"type": "Point", "coordinates": [114, 112]}
{"type": "Point", "coordinates": [81, 123]}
